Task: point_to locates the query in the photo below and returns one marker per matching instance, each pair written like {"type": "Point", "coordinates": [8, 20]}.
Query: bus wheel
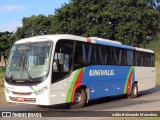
{"type": "Point", "coordinates": [80, 98]}
{"type": "Point", "coordinates": [134, 91]}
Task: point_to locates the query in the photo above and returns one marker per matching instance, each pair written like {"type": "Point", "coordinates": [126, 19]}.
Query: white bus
{"type": "Point", "coordinates": [55, 69]}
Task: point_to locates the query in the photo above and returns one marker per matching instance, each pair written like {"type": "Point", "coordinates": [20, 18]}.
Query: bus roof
{"type": "Point", "coordinates": [94, 40]}
{"type": "Point", "coordinates": [53, 38]}
{"type": "Point", "coordinates": [116, 44]}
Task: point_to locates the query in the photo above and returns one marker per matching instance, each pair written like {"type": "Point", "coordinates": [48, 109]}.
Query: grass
{"type": "Point", "coordinates": [2, 96]}
{"type": "Point", "coordinates": [158, 72]}
{"type": "Point", "coordinates": [2, 73]}
{"type": "Point", "coordinates": [158, 79]}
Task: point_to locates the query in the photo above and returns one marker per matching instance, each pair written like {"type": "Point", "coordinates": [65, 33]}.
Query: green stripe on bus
{"type": "Point", "coordinates": [34, 89]}
{"type": "Point", "coordinates": [69, 94]}
{"type": "Point", "coordinates": [125, 87]}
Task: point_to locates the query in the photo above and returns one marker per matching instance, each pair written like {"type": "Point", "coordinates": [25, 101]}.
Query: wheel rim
{"type": "Point", "coordinates": [135, 91]}
{"type": "Point", "coordinates": [78, 98]}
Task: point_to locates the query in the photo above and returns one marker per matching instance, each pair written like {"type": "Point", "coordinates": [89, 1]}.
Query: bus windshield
{"type": "Point", "coordinates": [28, 61]}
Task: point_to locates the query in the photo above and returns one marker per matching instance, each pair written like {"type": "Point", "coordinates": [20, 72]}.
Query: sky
{"type": "Point", "coordinates": [13, 11]}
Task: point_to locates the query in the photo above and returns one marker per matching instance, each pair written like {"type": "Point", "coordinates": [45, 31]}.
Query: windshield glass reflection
{"type": "Point", "coordinates": [28, 61]}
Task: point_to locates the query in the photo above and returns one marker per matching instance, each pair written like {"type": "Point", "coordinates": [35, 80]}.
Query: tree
{"type": "Point", "coordinates": [33, 26]}
{"type": "Point", "coordinates": [137, 21]}
{"type": "Point", "coordinates": [19, 34]}
{"type": "Point", "coordinates": [6, 41]}
{"type": "Point", "coordinates": [129, 21]}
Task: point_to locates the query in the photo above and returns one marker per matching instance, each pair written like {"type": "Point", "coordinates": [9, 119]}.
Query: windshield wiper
{"type": "Point", "coordinates": [11, 77]}
{"type": "Point", "coordinates": [29, 76]}
{"type": "Point", "coordinates": [22, 61]}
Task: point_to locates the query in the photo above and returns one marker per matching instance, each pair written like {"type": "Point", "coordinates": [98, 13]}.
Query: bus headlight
{"type": "Point", "coordinates": [7, 90]}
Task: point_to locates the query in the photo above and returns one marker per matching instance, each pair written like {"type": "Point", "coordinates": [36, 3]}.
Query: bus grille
{"type": "Point", "coordinates": [19, 93]}
{"type": "Point", "coordinates": [31, 100]}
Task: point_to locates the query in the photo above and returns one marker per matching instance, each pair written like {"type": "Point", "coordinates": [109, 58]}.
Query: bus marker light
{"type": "Point", "coordinates": [93, 91]}
{"type": "Point", "coordinates": [89, 40]}
{"type": "Point", "coordinates": [107, 89]}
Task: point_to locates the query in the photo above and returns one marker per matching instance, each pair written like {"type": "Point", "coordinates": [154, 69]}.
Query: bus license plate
{"type": "Point", "coordinates": [20, 99]}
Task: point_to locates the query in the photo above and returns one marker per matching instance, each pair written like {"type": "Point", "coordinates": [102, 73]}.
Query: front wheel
{"type": "Point", "coordinates": [80, 98]}
{"type": "Point", "coordinates": [134, 91]}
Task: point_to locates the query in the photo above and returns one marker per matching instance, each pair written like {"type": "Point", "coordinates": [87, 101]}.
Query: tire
{"type": "Point", "coordinates": [134, 91]}
{"type": "Point", "coordinates": [80, 98]}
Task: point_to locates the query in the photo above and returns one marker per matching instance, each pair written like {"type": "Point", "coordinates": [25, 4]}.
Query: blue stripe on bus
{"type": "Point", "coordinates": [114, 44]}
{"type": "Point", "coordinates": [103, 80]}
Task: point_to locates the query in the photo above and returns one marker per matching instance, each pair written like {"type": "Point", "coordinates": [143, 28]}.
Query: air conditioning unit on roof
{"type": "Point", "coordinates": [105, 40]}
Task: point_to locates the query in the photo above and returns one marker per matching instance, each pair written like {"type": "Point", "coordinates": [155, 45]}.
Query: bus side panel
{"type": "Point", "coordinates": [63, 91]}
{"type": "Point", "coordinates": [146, 77]}
{"type": "Point", "coordinates": [108, 80]}
{"type": "Point", "coordinates": [59, 91]}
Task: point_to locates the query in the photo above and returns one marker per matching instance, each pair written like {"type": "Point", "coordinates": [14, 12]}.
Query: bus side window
{"type": "Point", "coordinates": [124, 58]}
{"type": "Point", "coordinates": [84, 55]}
{"type": "Point", "coordinates": [78, 58]}
{"type": "Point", "coordinates": [129, 57]}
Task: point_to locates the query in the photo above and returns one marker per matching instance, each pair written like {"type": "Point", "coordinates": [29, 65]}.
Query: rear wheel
{"type": "Point", "coordinates": [134, 91]}
{"type": "Point", "coordinates": [80, 98]}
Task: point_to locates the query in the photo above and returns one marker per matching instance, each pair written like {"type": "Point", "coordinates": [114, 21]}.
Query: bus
{"type": "Point", "coordinates": [54, 69]}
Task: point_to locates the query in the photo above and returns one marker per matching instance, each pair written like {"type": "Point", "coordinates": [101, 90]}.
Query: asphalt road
{"type": "Point", "coordinates": [147, 101]}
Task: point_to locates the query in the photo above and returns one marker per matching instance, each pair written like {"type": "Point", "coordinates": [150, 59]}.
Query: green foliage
{"type": "Point", "coordinates": [83, 18]}
{"type": "Point", "coordinates": [32, 26]}
{"type": "Point", "coordinates": [128, 21]}
{"type": "Point", "coordinates": [136, 21]}
{"type": "Point", "coordinates": [125, 20]}
{"type": "Point", "coordinates": [153, 44]}
{"type": "Point", "coordinates": [2, 69]}
{"type": "Point", "coordinates": [6, 41]}
{"type": "Point", "coordinates": [2, 74]}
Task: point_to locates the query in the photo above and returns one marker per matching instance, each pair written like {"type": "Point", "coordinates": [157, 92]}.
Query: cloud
{"type": "Point", "coordinates": [10, 8]}
{"type": "Point", "coordinates": [11, 27]}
